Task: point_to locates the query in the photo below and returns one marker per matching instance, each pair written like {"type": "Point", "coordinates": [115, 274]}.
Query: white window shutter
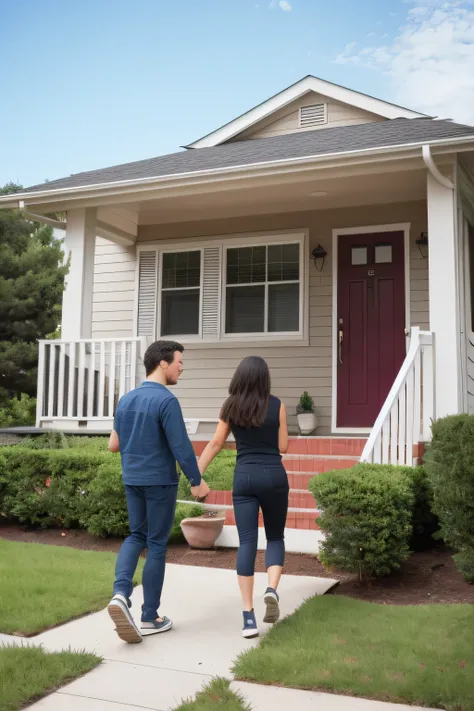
{"type": "Point", "coordinates": [147, 292]}
{"type": "Point", "coordinates": [211, 280]}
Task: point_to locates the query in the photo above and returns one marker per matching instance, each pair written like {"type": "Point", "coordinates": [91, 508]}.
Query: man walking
{"type": "Point", "coordinates": [150, 433]}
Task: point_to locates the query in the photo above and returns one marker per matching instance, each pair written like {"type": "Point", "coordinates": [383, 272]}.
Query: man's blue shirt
{"type": "Point", "coordinates": [153, 437]}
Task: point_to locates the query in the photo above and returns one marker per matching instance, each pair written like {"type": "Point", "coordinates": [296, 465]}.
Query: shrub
{"type": "Point", "coordinates": [425, 522]}
{"type": "Point", "coordinates": [450, 467]}
{"type": "Point", "coordinates": [18, 412]}
{"type": "Point", "coordinates": [367, 518]}
{"type": "Point", "coordinates": [68, 488]}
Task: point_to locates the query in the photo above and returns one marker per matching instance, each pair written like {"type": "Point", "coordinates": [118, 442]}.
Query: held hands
{"type": "Point", "coordinates": [201, 491]}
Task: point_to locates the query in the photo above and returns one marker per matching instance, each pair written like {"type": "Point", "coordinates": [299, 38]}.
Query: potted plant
{"type": "Point", "coordinates": [203, 531]}
{"type": "Point", "coordinates": [307, 420]}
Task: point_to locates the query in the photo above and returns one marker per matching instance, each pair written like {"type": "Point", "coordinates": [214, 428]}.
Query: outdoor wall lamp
{"type": "Point", "coordinates": [319, 255]}
{"type": "Point", "coordinates": [422, 243]}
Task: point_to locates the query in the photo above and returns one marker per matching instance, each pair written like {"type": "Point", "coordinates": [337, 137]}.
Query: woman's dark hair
{"type": "Point", "coordinates": [158, 351]}
{"type": "Point", "coordinates": [249, 391]}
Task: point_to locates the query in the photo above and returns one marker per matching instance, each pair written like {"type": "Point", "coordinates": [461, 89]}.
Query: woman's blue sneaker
{"type": "Point", "coordinates": [250, 628]}
{"type": "Point", "coordinates": [156, 626]}
{"type": "Point", "coordinates": [272, 602]}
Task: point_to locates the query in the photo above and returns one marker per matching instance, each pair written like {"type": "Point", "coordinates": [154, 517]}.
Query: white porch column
{"type": "Point", "coordinates": [77, 298]}
{"type": "Point", "coordinates": [443, 295]}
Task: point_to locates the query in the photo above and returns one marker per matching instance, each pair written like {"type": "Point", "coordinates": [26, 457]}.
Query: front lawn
{"type": "Point", "coordinates": [420, 654]}
{"type": "Point", "coordinates": [216, 695]}
{"type": "Point", "coordinates": [27, 673]}
{"type": "Point", "coordinates": [43, 586]}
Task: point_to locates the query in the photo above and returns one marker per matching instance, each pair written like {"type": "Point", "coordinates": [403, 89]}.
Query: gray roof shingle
{"type": "Point", "coordinates": [296, 145]}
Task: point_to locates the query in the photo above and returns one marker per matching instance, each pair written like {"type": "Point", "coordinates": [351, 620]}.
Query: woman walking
{"type": "Point", "coordinates": [258, 422]}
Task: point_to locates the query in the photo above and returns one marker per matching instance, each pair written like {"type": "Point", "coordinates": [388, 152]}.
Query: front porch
{"type": "Point", "coordinates": [384, 380]}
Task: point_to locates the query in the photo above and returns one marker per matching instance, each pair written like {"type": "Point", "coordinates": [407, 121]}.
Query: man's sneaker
{"type": "Point", "coordinates": [250, 628]}
{"type": "Point", "coordinates": [155, 627]}
{"type": "Point", "coordinates": [272, 602]}
{"type": "Point", "coordinates": [119, 612]}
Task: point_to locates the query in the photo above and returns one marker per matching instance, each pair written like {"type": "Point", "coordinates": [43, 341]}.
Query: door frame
{"type": "Point", "coordinates": [336, 233]}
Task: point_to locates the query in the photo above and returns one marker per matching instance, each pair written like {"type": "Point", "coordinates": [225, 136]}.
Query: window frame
{"type": "Point", "coordinates": [159, 299]}
{"type": "Point", "coordinates": [223, 242]}
{"type": "Point", "coordinates": [266, 241]}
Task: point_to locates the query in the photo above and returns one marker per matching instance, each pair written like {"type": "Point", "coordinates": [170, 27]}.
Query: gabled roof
{"type": "Point", "coordinates": [295, 91]}
{"type": "Point", "coordinates": [342, 140]}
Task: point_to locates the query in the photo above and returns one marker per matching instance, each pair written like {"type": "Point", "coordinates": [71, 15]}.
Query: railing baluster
{"type": "Point", "coordinates": [72, 380]}
{"type": "Point", "coordinates": [394, 417]}
{"type": "Point", "coordinates": [133, 365]}
{"type": "Point", "coordinates": [123, 367]}
{"type": "Point", "coordinates": [385, 441]}
{"type": "Point", "coordinates": [41, 384]}
{"type": "Point", "coordinates": [410, 414]}
{"type": "Point", "coordinates": [81, 375]}
{"type": "Point", "coordinates": [112, 380]}
{"type": "Point", "coordinates": [90, 383]}
{"type": "Point", "coordinates": [101, 395]}
{"type": "Point", "coordinates": [62, 358]}
{"type": "Point", "coordinates": [52, 363]}
{"type": "Point", "coordinates": [402, 426]}
{"type": "Point", "coordinates": [417, 433]}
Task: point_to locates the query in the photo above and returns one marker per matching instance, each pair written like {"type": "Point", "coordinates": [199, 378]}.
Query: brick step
{"type": "Point", "coordinates": [301, 520]}
{"type": "Point", "coordinates": [316, 464]}
{"type": "Point", "coordinates": [300, 480]}
{"type": "Point", "coordinates": [335, 446]}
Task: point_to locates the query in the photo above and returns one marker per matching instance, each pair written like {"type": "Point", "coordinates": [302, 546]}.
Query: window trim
{"type": "Point", "coordinates": [159, 301]}
{"type": "Point", "coordinates": [223, 241]}
{"type": "Point", "coordinates": [263, 335]}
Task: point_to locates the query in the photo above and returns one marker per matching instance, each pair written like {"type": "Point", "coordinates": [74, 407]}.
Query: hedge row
{"type": "Point", "coordinates": [373, 516]}
{"type": "Point", "coordinates": [69, 488]}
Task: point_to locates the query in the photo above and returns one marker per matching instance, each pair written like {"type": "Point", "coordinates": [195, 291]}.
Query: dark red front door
{"type": "Point", "coordinates": [371, 323]}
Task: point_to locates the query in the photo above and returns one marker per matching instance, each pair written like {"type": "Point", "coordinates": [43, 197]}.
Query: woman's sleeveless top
{"type": "Point", "coordinates": [257, 442]}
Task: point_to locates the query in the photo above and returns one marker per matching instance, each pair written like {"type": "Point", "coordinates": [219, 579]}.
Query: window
{"type": "Point", "coordinates": [262, 292]}
{"type": "Point", "coordinates": [180, 293]}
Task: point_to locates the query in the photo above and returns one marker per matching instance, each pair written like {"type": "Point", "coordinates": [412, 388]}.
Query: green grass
{"type": "Point", "coordinates": [216, 695]}
{"type": "Point", "coordinates": [43, 586]}
{"type": "Point", "coordinates": [415, 654]}
{"type": "Point", "coordinates": [27, 673]}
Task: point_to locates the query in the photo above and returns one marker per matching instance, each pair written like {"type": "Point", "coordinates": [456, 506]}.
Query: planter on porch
{"type": "Point", "coordinates": [203, 531]}
{"type": "Point", "coordinates": [305, 415]}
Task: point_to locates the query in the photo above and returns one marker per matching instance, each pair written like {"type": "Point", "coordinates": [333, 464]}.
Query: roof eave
{"type": "Point", "coordinates": [137, 185]}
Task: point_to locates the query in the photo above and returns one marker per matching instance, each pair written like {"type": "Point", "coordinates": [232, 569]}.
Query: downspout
{"type": "Point", "coordinates": [447, 183]}
{"type": "Point", "coordinates": [57, 224]}
{"type": "Point", "coordinates": [432, 167]}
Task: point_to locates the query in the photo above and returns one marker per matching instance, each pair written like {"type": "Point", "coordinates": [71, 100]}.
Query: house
{"type": "Point", "coordinates": [326, 230]}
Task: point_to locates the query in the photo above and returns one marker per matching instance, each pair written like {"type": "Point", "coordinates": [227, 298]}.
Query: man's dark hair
{"type": "Point", "coordinates": [158, 351]}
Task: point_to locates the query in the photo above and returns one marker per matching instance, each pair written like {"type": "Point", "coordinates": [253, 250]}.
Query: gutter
{"type": "Point", "coordinates": [278, 166]}
{"type": "Point", "coordinates": [57, 224]}
{"type": "Point", "coordinates": [434, 170]}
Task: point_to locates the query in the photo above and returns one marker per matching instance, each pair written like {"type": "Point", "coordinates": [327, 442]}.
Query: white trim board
{"type": "Point", "coordinates": [294, 92]}
{"type": "Point", "coordinates": [336, 233]}
{"type": "Point", "coordinates": [297, 540]}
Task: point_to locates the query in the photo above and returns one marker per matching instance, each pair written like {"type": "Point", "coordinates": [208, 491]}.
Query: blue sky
{"type": "Point", "coordinates": [98, 82]}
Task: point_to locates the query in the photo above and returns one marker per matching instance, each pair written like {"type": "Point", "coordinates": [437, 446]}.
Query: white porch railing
{"type": "Point", "coordinates": [83, 380]}
{"type": "Point", "coordinates": [405, 418]}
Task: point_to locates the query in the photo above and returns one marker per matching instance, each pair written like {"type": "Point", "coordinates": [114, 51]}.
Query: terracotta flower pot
{"type": "Point", "coordinates": [203, 531]}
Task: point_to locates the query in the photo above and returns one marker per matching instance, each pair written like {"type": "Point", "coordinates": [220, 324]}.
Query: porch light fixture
{"type": "Point", "coordinates": [319, 255]}
{"type": "Point", "coordinates": [422, 242]}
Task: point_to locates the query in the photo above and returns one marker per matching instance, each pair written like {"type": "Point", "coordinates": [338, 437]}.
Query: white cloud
{"type": "Point", "coordinates": [430, 62]}
{"type": "Point", "coordinates": [282, 4]}
{"type": "Point", "coordinates": [371, 34]}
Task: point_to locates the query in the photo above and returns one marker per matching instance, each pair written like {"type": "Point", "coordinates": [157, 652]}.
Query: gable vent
{"type": "Point", "coordinates": [313, 115]}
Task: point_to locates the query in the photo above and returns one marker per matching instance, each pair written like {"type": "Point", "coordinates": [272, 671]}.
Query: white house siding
{"type": "Point", "coordinates": [295, 367]}
{"type": "Point", "coordinates": [113, 290]}
{"type": "Point", "coordinates": [286, 120]}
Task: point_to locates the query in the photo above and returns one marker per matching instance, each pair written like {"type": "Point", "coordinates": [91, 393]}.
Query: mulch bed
{"type": "Point", "coordinates": [428, 577]}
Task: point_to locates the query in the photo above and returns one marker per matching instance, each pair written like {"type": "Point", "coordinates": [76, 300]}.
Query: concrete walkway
{"type": "Point", "coordinates": [165, 669]}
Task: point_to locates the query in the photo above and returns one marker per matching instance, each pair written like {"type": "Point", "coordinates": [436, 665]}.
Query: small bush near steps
{"type": "Point", "coordinates": [368, 514]}
{"type": "Point", "coordinates": [450, 468]}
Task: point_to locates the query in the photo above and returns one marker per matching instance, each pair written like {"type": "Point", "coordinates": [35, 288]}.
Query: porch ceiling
{"type": "Point", "coordinates": [312, 194]}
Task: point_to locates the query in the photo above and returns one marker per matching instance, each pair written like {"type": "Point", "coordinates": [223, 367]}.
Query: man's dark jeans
{"type": "Point", "coordinates": [151, 512]}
